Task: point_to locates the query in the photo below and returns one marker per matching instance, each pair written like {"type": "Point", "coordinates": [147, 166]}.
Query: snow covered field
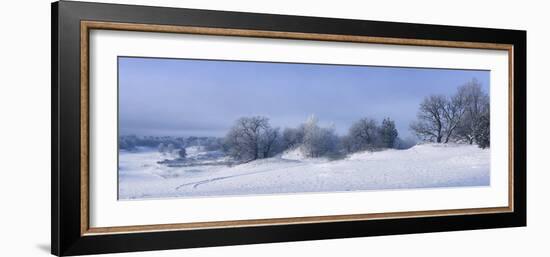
{"type": "Point", "coordinates": [212, 174]}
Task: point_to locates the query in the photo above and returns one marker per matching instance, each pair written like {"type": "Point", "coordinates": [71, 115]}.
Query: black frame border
{"type": "Point", "coordinates": [66, 238]}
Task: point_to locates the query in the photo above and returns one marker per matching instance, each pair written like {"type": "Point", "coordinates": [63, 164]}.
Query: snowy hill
{"type": "Point", "coordinates": [422, 166]}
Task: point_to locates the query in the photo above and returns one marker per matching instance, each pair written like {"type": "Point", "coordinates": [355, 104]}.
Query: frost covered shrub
{"type": "Point", "coordinates": [317, 141]}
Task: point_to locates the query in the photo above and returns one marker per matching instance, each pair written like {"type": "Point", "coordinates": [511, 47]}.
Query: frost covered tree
{"type": "Point", "coordinates": [430, 119]}
{"type": "Point", "coordinates": [388, 133]}
{"type": "Point", "coordinates": [475, 102]}
{"type": "Point", "coordinates": [170, 148]}
{"type": "Point", "coordinates": [251, 138]}
{"type": "Point", "coordinates": [318, 141]}
{"type": "Point", "coordinates": [483, 136]}
{"type": "Point", "coordinates": [438, 117]}
{"type": "Point", "coordinates": [270, 142]}
{"type": "Point", "coordinates": [162, 148]}
{"type": "Point", "coordinates": [363, 135]}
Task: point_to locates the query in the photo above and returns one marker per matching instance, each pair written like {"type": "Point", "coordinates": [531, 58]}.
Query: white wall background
{"type": "Point", "coordinates": [25, 127]}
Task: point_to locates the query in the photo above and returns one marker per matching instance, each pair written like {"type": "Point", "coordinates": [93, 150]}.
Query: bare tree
{"type": "Point", "coordinates": [430, 125]}
{"type": "Point", "coordinates": [452, 113]}
{"type": "Point", "coordinates": [439, 117]}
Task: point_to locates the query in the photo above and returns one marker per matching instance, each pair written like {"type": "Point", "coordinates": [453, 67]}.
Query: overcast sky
{"type": "Point", "coordinates": [179, 97]}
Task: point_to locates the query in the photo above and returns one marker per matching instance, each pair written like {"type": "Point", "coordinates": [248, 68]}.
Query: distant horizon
{"type": "Point", "coordinates": [190, 97]}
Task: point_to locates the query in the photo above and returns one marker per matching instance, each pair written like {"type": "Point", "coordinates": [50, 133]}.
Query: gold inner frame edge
{"type": "Point", "coordinates": [86, 26]}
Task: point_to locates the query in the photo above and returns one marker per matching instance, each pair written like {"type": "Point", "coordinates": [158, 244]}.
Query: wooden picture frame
{"type": "Point", "coordinates": [71, 25]}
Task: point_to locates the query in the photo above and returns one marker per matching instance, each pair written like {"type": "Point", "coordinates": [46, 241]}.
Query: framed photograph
{"type": "Point", "coordinates": [178, 128]}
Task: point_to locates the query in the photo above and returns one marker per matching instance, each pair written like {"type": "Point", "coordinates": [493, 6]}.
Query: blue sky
{"type": "Point", "coordinates": [180, 97]}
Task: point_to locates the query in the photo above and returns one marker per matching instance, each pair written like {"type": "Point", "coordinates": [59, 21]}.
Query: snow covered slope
{"type": "Point", "coordinates": [422, 166]}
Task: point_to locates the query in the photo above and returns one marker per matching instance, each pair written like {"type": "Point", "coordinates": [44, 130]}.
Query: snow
{"type": "Point", "coordinates": [294, 154]}
{"type": "Point", "coordinates": [212, 174]}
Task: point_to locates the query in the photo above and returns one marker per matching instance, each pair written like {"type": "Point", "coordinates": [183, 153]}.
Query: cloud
{"type": "Point", "coordinates": [200, 97]}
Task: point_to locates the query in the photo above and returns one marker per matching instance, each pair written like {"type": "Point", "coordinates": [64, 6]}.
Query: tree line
{"type": "Point", "coordinates": [253, 138]}
{"type": "Point", "coordinates": [461, 117]}
{"type": "Point", "coordinates": [167, 143]}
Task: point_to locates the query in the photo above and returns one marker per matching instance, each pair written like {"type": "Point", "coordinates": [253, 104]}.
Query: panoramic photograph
{"type": "Point", "coordinates": [213, 128]}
